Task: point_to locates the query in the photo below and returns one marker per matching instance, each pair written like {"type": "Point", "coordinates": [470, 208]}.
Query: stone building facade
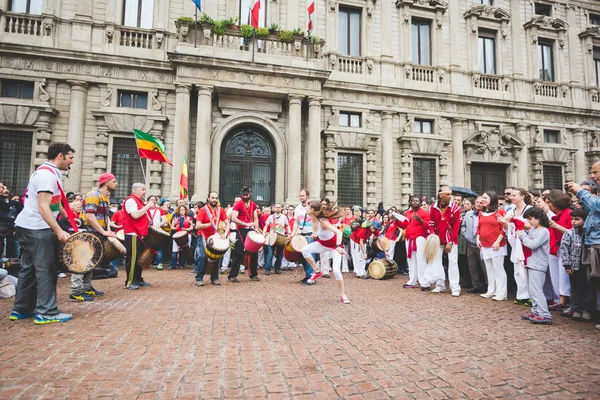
{"type": "Point", "coordinates": [386, 98]}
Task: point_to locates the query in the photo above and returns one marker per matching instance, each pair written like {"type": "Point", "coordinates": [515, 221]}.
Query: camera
{"type": "Point", "coordinates": [566, 187]}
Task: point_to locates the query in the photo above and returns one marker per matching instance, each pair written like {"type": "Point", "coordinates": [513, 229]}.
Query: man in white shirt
{"type": "Point", "coordinates": [38, 234]}
{"type": "Point", "coordinates": [303, 227]}
{"type": "Point", "coordinates": [278, 223]}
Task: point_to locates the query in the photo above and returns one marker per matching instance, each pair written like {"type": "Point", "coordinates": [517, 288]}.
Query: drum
{"type": "Point", "coordinates": [111, 250]}
{"type": "Point", "coordinates": [145, 259]}
{"type": "Point", "coordinates": [383, 268]}
{"type": "Point", "coordinates": [121, 236]}
{"type": "Point", "coordinates": [81, 253]}
{"type": "Point", "coordinates": [355, 225]}
{"type": "Point", "coordinates": [216, 247]}
{"type": "Point", "coordinates": [346, 234]}
{"type": "Point", "coordinates": [291, 255]}
{"type": "Point", "coordinates": [157, 239]}
{"type": "Point", "coordinates": [181, 238]}
{"type": "Point", "coordinates": [277, 239]}
{"type": "Point", "coordinates": [296, 244]}
{"type": "Point", "coordinates": [381, 244]}
{"type": "Point", "coordinates": [254, 241]}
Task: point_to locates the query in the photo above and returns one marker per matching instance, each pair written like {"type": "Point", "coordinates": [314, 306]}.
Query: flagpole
{"type": "Point", "coordinates": [253, 43]}
{"type": "Point", "coordinates": [308, 45]}
{"type": "Point", "coordinates": [141, 163]}
{"type": "Point", "coordinates": [195, 25]}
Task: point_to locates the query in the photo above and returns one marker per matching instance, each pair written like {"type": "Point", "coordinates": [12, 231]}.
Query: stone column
{"type": "Point", "coordinates": [181, 139]}
{"type": "Point", "coordinates": [203, 146]}
{"type": "Point", "coordinates": [312, 169]}
{"type": "Point", "coordinates": [387, 158]}
{"type": "Point", "coordinates": [294, 155]}
{"type": "Point", "coordinates": [76, 132]}
{"type": "Point", "coordinates": [579, 156]}
{"type": "Point", "coordinates": [458, 156]}
{"type": "Point", "coordinates": [522, 174]}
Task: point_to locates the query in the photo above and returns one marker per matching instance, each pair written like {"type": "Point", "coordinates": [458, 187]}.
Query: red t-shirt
{"type": "Point", "coordinates": [490, 228]}
{"type": "Point", "coordinates": [206, 215]}
{"type": "Point", "coordinates": [563, 219]}
{"type": "Point", "coordinates": [119, 218]}
{"type": "Point", "coordinates": [391, 230]}
{"type": "Point", "coordinates": [187, 223]}
{"type": "Point", "coordinates": [414, 229]}
{"type": "Point", "coordinates": [348, 220]}
{"type": "Point", "coordinates": [245, 214]}
{"type": "Point", "coordinates": [362, 233]}
{"type": "Point", "coordinates": [291, 222]}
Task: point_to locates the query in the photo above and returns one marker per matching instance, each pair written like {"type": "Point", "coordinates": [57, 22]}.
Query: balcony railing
{"type": "Point", "coordinates": [135, 37]}
{"type": "Point", "coordinates": [546, 89]}
{"type": "Point", "coordinates": [422, 73]}
{"type": "Point", "coordinates": [24, 24]}
{"type": "Point", "coordinates": [487, 82]}
{"type": "Point", "coordinates": [350, 65]}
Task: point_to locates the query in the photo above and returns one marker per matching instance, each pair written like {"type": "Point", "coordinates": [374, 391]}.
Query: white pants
{"type": "Point", "coordinates": [496, 276]}
{"type": "Point", "coordinates": [336, 259]}
{"type": "Point", "coordinates": [226, 259]}
{"type": "Point", "coordinates": [521, 281]}
{"type": "Point", "coordinates": [453, 274]}
{"type": "Point", "coordinates": [318, 248]}
{"type": "Point", "coordinates": [392, 250]}
{"type": "Point", "coordinates": [357, 258]}
{"type": "Point", "coordinates": [416, 264]}
{"type": "Point", "coordinates": [345, 258]}
{"type": "Point", "coordinates": [261, 257]}
{"type": "Point", "coordinates": [559, 279]}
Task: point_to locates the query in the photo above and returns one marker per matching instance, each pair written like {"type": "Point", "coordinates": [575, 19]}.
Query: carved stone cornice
{"type": "Point", "coordinates": [488, 12]}
{"type": "Point", "coordinates": [23, 114]}
{"type": "Point", "coordinates": [547, 23]}
{"type": "Point", "coordinates": [425, 144]}
{"type": "Point", "coordinates": [493, 146]}
{"type": "Point", "coordinates": [593, 32]}
{"type": "Point", "coordinates": [117, 121]}
{"type": "Point", "coordinates": [440, 5]}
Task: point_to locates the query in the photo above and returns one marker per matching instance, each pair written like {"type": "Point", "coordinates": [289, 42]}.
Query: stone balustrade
{"type": "Point", "coordinates": [422, 73]}
{"type": "Point", "coordinates": [351, 65]}
{"type": "Point", "coordinates": [546, 89]}
{"type": "Point", "coordinates": [22, 24]}
{"type": "Point", "coordinates": [487, 82]}
{"type": "Point", "coordinates": [136, 37]}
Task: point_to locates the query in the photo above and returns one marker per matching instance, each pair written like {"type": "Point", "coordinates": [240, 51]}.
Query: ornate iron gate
{"type": "Point", "coordinates": [247, 159]}
{"type": "Point", "coordinates": [488, 177]}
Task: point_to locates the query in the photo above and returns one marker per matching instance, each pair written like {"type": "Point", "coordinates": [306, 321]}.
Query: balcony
{"type": "Point", "coordinates": [487, 82]}
{"type": "Point", "coordinates": [22, 24]}
{"type": "Point", "coordinates": [138, 38]}
{"type": "Point", "coordinates": [546, 89]}
{"type": "Point", "coordinates": [422, 73]}
{"type": "Point", "coordinates": [350, 65]}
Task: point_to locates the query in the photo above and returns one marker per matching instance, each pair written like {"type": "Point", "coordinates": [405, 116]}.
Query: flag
{"type": "Point", "coordinates": [254, 12]}
{"type": "Point", "coordinates": [183, 180]}
{"type": "Point", "coordinates": [149, 147]}
{"type": "Point", "coordinates": [310, 8]}
{"type": "Point", "coordinates": [198, 4]}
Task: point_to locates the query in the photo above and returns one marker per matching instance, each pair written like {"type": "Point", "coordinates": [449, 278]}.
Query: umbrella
{"type": "Point", "coordinates": [463, 191]}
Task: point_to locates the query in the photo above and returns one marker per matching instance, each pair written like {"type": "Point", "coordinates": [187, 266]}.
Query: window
{"type": "Point", "coordinates": [349, 32]}
{"type": "Point", "coordinates": [15, 165]}
{"type": "Point", "coordinates": [553, 177]}
{"type": "Point", "coordinates": [487, 52]}
{"type": "Point", "coordinates": [543, 9]}
{"type": "Point", "coordinates": [545, 61]}
{"type": "Point", "coordinates": [424, 177]}
{"type": "Point", "coordinates": [16, 89]}
{"type": "Point", "coordinates": [486, 2]}
{"type": "Point", "coordinates": [125, 164]}
{"type": "Point", "coordinates": [551, 136]}
{"type": "Point", "coordinates": [595, 19]}
{"type": "Point", "coordinates": [26, 6]}
{"type": "Point", "coordinates": [350, 179]}
{"type": "Point", "coordinates": [423, 126]}
{"type": "Point", "coordinates": [350, 119]}
{"type": "Point", "coordinates": [133, 99]}
{"type": "Point", "coordinates": [420, 42]}
{"type": "Point", "coordinates": [597, 65]}
{"type": "Point", "coordinates": [138, 13]}
{"type": "Point", "coordinates": [245, 7]}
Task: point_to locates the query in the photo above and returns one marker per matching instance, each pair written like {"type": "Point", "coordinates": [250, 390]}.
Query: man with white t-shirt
{"type": "Point", "coordinates": [136, 229]}
{"type": "Point", "coordinates": [278, 223]}
{"type": "Point", "coordinates": [303, 226]}
{"type": "Point", "coordinates": [37, 232]}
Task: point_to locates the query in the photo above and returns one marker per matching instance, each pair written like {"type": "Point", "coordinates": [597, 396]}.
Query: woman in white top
{"type": "Point", "coordinates": [328, 238]}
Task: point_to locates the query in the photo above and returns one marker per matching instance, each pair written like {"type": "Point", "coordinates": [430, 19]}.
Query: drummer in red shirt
{"type": "Point", "coordinates": [208, 220]}
{"type": "Point", "coordinates": [358, 247]}
{"type": "Point", "coordinates": [416, 223]}
{"type": "Point", "coordinates": [245, 215]}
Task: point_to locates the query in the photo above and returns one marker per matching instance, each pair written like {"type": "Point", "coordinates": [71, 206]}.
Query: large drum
{"type": "Point", "coordinates": [381, 244]}
{"type": "Point", "coordinates": [81, 253]}
{"type": "Point", "coordinates": [121, 236]}
{"type": "Point", "coordinates": [157, 239]}
{"type": "Point", "coordinates": [347, 231]}
{"type": "Point", "coordinates": [383, 268]}
{"type": "Point", "coordinates": [254, 241]}
{"type": "Point", "coordinates": [145, 259]}
{"type": "Point", "coordinates": [111, 250]}
{"type": "Point", "coordinates": [181, 239]}
{"type": "Point", "coordinates": [293, 250]}
{"type": "Point", "coordinates": [277, 239]}
{"type": "Point", "coordinates": [216, 247]}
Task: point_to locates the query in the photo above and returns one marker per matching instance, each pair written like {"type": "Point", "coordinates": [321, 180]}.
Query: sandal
{"type": "Point", "coordinates": [345, 300]}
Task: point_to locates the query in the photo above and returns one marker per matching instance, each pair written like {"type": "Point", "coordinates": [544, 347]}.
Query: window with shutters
{"type": "Point", "coordinates": [15, 160]}
{"type": "Point", "coordinates": [553, 177]}
{"type": "Point", "coordinates": [350, 178]}
{"type": "Point", "coordinates": [425, 177]}
{"type": "Point", "coordinates": [125, 165]}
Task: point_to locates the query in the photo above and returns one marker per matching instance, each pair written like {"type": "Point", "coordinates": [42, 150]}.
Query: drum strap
{"type": "Point", "coordinates": [65, 203]}
{"type": "Point", "coordinates": [214, 219]}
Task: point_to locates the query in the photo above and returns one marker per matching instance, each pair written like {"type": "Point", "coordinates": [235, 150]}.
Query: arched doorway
{"type": "Point", "coordinates": [247, 159]}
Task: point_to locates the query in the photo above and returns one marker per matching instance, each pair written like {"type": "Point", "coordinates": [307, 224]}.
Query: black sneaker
{"type": "Point", "coordinates": [143, 284]}
{"type": "Point", "coordinates": [425, 288]}
{"type": "Point", "coordinates": [93, 292]}
{"type": "Point", "coordinates": [216, 283]}
{"type": "Point", "coordinates": [254, 278]}
{"type": "Point", "coordinates": [304, 280]}
{"type": "Point", "coordinates": [278, 272]}
{"type": "Point", "coordinates": [268, 272]}
{"type": "Point", "coordinates": [233, 280]}
{"type": "Point", "coordinates": [199, 283]}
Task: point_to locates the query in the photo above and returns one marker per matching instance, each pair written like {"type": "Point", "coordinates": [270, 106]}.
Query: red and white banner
{"type": "Point", "coordinates": [254, 13]}
{"type": "Point", "coordinates": [310, 8]}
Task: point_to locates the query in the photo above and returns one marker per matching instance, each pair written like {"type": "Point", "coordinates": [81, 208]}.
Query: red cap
{"type": "Point", "coordinates": [105, 177]}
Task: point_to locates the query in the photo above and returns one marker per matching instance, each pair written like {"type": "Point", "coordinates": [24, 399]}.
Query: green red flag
{"type": "Point", "coordinates": [150, 148]}
{"type": "Point", "coordinates": [183, 180]}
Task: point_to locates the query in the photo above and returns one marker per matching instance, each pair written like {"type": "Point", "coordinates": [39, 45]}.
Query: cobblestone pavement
{"type": "Point", "coordinates": [278, 339]}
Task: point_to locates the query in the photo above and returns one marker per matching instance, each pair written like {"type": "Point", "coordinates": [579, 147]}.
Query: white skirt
{"type": "Point", "coordinates": [488, 252]}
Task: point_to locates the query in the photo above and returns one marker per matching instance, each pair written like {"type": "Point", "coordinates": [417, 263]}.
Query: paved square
{"type": "Point", "coordinates": [278, 339]}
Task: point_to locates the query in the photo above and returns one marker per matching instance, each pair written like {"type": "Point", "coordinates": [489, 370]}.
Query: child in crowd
{"type": "Point", "coordinates": [537, 239]}
{"type": "Point", "coordinates": [582, 294]}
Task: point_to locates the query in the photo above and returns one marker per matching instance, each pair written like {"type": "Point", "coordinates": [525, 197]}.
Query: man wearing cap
{"type": "Point", "coordinates": [245, 216]}
{"type": "Point", "coordinates": [96, 216]}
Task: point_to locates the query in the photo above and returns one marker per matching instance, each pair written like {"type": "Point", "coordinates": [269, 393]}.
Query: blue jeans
{"type": "Point", "coordinates": [307, 268]}
{"type": "Point", "coordinates": [159, 256]}
{"type": "Point", "coordinates": [269, 257]}
{"type": "Point", "coordinates": [202, 261]}
{"type": "Point", "coordinates": [174, 259]}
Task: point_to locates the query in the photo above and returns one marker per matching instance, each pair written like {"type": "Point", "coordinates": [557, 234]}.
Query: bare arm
{"type": "Point", "coordinates": [256, 225]}
{"type": "Point", "coordinates": [142, 211]}
{"type": "Point", "coordinates": [44, 199]}
{"type": "Point", "coordinates": [93, 221]}
{"type": "Point", "coordinates": [234, 217]}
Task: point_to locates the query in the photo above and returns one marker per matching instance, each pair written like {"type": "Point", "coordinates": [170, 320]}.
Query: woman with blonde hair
{"type": "Point", "coordinates": [328, 238]}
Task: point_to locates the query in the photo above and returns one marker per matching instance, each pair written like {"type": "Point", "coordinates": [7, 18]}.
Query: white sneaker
{"type": "Point", "coordinates": [498, 298]}
{"type": "Point", "coordinates": [487, 295]}
{"type": "Point", "coordinates": [438, 290]}
{"type": "Point", "coordinates": [455, 294]}
{"type": "Point", "coordinates": [159, 267]}
{"type": "Point", "coordinates": [62, 275]}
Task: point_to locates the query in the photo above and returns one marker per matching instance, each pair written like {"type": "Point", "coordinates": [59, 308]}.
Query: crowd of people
{"type": "Point", "coordinates": [546, 245]}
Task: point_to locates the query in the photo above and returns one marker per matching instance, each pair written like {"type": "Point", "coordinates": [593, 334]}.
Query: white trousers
{"type": "Point", "coordinates": [318, 248]}
{"type": "Point", "coordinates": [416, 264]}
{"type": "Point", "coordinates": [226, 259]}
{"type": "Point", "coordinates": [559, 279]}
{"type": "Point", "coordinates": [392, 250]}
{"type": "Point", "coordinates": [496, 276]}
{"type": "Point", "coordinates": [261, 257]}
{"type": "Point", "coordinates": [453, 274]}
{"type": "Point", "coordinates": [521, 281]}
{"type": "Point", "coordinates": [357, 258]}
